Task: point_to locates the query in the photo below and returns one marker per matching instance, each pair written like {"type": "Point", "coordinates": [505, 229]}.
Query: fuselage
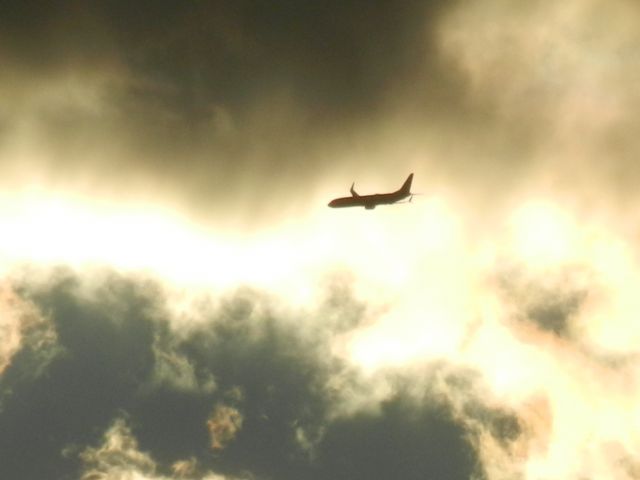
{"type": "Point", "coordinates": [368, 201]}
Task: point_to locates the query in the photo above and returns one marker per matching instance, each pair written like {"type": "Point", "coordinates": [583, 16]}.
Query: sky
{"type": "Point", "coordinates": [177, 301]}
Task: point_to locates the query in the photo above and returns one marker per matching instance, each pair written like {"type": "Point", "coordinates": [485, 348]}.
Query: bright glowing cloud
{"type": "Point", "coordinates": [119, 458]}
{"type": "Point", "coordinates": [10, 328]}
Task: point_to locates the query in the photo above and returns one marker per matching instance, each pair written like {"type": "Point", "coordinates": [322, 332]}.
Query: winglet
{"type": "Point", "coordinates": [353, 192]}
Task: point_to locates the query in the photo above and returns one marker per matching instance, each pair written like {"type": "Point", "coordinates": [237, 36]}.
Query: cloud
{"type": "Point", "coordinates": [552, 303]}
{"type": "Point", "coordinates": [497, 313]}
{"type": "Point", "coordinates": [11, 330]}
{"type": "Point", "coordinates": [558, 80]}
{"type": "Point", "coordinates": [230, 89]}
{"type": "Point", "coordinates": [117, 456]}
{"type": "Point", "coordinates": [281, 403]}
{"type": "Point", "coordinates": [223, 424]}
{"type": "Point", "coordinates": [25, 334]}
{"type": "Point", "coordinates": [482, 99]}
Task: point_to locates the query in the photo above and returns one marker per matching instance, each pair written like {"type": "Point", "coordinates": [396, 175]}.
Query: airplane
{"type": "Point", "coordinates": [370, 202]}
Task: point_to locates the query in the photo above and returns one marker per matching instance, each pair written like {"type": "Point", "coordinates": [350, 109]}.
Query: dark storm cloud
{"type": "Point", "coordinates": [235, 108]}
{"type": "Point", "coordinates": [394, 442]}
{"type": "Point", "coordinates": [195, 97]}
{"type": "Point", "coordinates": [105, 354]}
{"type": "Point", "coordinates": [554, 313]}
{"type": "Point", "coordinates": [265, 397]}
{"type": "Point", "coordinates": [336, 58]}
{"type": "Point", "coordinates": [551, 303]}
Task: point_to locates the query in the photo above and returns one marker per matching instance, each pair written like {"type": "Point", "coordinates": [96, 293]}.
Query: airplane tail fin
{"type": "Point", "coordinates": [353, 192]}
{"type": "Point", "coordinates": [406, 186]}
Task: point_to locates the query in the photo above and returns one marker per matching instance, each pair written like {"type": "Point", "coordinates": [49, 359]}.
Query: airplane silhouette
{"type": "Point", "coordinates": [371, 201]}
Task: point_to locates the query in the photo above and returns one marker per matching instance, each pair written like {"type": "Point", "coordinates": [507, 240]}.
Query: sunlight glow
{"type": "Point", "coordinates": [543, 234]}
{"type": "Point", "coordinates": [49, 229]}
